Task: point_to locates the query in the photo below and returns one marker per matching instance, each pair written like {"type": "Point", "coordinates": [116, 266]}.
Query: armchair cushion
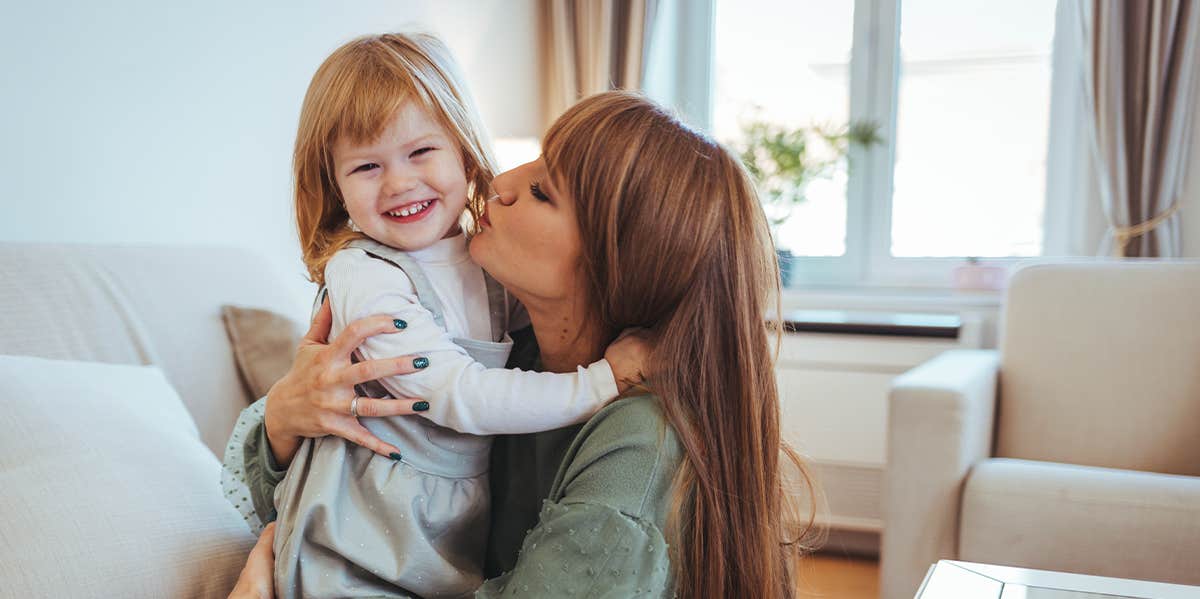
{"type": "Point", "coordinates": [1082, 519]}
{"type": "Point", "coordinates": [1101, 365]}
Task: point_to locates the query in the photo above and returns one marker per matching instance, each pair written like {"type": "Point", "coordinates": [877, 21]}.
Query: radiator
{"type": "Point", "coordinates": [834, 371]}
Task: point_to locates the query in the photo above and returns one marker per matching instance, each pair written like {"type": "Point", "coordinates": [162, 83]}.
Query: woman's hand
{"type": "Point", "coordinates": [628, 357]}
{"type": "Point", "coordinates": [314, 398]}
{"type": "Point", "coordinates": [257, 580]}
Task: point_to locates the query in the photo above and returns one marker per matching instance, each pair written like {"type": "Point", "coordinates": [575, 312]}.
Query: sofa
{"type": "Point", "coordinates": [120, 386]}
{"type": "Point", "coordinates": [1073, 447]}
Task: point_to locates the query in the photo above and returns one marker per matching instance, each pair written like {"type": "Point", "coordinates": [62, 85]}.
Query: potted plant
{"type": "Point", "coordinates": [784, 160]}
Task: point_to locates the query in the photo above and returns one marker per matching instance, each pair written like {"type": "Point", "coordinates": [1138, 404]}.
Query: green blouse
{"type": "Point", "coordinates": [576, 512]}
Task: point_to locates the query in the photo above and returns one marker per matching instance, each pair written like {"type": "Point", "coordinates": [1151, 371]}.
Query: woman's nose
{"type": "Point", "coordinates": [504, 198]}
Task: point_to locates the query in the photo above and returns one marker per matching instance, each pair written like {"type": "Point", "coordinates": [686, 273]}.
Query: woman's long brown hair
{"type": "Point", "coordinates": [675, 241]}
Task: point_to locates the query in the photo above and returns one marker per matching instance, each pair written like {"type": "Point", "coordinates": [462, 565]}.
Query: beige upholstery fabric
{"type": "Point", "coordinates": [264, 344]}
{"type": "Point", "coordinates": [939, 424]}
{"type": "Point", "coordinates": [106, 489]}
{"type": "Point", "coordinates": [1098, 366]}
{"type": "Point", "coordinates": [1081, 519]}
{"type": "Point", "coordinates": [1101, 366]}
{"type": "Point", "coordinates": [156, 305]}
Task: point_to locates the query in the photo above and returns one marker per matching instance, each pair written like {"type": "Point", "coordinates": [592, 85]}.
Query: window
{"type": "Point", "coordinates": [960, 90]}
{"type": "Point", "coordinates": [786, 63]}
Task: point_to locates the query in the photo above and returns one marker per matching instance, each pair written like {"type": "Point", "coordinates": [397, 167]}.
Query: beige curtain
{"type": "Point", "coordinates": [592, 46]}
{"type": "Point", "coordinates": [1142, 93]}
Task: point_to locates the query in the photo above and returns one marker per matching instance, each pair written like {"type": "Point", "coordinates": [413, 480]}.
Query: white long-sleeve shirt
{"type": "Point", "coordinates": [462, 394]}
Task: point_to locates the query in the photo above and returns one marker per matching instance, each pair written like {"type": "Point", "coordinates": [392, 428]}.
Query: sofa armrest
{"type": "Point", "coordinates": [940, 419]}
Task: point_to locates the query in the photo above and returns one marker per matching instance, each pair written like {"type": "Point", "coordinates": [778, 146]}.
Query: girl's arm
{"type": "Point", "coordinates": [462, 394]}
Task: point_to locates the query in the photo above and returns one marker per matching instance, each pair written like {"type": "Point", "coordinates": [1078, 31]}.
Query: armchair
{"type": "Point", "coordinates": [1074, 447]}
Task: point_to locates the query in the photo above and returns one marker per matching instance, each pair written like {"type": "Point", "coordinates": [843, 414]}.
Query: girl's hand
{"type": "Point", "coordinates": [314, 398]}
{"type": "Point", "coordinates": [628, 357]}
{"type": "Point", "coordinates": [257, 580]}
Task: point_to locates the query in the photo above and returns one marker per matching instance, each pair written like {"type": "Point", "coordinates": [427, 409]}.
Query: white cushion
{"type": "Point", "coordinates": [106, 489]}
{"type": "Point", "coordinates": [1081, 519]}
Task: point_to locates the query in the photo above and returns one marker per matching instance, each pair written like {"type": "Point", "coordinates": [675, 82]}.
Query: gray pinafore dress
{"type": "Point", "coordinates": [352, 523]}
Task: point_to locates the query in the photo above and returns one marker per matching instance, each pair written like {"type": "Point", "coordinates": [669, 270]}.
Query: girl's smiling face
{"type": "Point", "coordinates": [408, 188]}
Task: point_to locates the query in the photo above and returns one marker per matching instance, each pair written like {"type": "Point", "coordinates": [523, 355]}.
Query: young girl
{"type": "Point", "coordinates": [389, 155]}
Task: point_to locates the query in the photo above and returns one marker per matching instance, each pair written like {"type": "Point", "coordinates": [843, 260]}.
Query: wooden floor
{"type": "Point", "coordinates": [837, 577]}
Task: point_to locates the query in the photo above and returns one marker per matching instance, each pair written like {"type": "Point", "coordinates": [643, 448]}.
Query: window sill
{"type": "Point", "coordinates": [890, 298]}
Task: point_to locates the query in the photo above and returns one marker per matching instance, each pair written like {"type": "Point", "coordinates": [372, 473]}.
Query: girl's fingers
{"type": "Point", "coordinates": [374, 408]}
{"type": "Point", "coordinates": [369, 370]}
{"type": "Point", "coordinates": [318, 331]}
{"type": "Point", "coordinates": [360, 330]}
{"type": "Point", "coordinates": [352, 430]}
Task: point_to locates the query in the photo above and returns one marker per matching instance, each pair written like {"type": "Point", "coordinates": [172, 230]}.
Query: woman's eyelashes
{"type": "Point", "coordinates": [535, 189]}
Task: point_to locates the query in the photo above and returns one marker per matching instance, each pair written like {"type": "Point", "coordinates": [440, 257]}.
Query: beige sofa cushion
{"type": "Point", "coordinates": [1081, 519]}
{"type": "Point", "coordinates": [1100, 365]}
{"type": "Point", "coordinates": [106, 489]}
{"type": "Point", "coordinates": [264, 344]}
{"type": "Point", "coordinates": [147, 305]}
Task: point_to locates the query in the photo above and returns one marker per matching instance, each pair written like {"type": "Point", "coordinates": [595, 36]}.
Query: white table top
{"type": "Point", "coordinates": [949, 579]}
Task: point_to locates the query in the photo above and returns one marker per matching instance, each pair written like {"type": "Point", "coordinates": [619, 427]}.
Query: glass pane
{"type": "Point", "coordinates": [787, 63]}
{"type": "Point", "coordinates": [973, 121]}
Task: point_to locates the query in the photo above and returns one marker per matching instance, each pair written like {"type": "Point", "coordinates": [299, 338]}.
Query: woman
{"type": "Point", "coordinates": [630, 219]}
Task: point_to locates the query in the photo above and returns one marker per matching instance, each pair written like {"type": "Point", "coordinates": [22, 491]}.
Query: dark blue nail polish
{"type": "Point", "coordinates": [400, 324]}
{"type": "Point", "coordinates": [420, 362]}
{"type": "Point", "coordinates": [420, 406]}
{"type": "Point", "coordinates": [394, 456]}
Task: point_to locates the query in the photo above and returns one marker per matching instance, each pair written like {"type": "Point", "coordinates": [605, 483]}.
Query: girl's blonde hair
{"type": "Point", "coordinates": [354, 94]}
{"type": "Point", "coordinates": [675, 241]}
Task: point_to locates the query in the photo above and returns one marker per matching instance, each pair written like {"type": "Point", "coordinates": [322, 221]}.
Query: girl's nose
{"type": "Point", "coordinates": [398, 181]}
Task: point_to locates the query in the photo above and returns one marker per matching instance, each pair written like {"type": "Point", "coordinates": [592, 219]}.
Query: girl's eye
{"type": "Point", "coordinates": [364, 167]}
{"type": "Point", "coordinates": [421, 152]}
{"type": "Point", "coordinates": [535, 188]}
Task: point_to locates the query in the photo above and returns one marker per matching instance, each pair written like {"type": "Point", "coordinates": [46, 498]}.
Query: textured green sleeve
{"type": "Point", "coordinates": [599, 534]}
{"type": "Point", "coordinates": [587, 550]}
{"type": "Point", "coordinates": [262, 472]}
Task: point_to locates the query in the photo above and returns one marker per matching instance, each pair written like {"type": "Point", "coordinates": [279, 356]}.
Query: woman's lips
{"type": "Point", "coordinates": [483, 218]}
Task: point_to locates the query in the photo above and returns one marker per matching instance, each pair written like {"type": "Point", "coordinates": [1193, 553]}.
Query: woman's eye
{"type": "Point", "coordinates": [421, 152]}
{"type": "Point", "coordinates": [535, 188]}
{"type": "Point", "coordinates": [364, 167]}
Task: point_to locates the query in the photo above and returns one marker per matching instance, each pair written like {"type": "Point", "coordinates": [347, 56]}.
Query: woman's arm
{"type": "Point", "coordinates": [307, 401]}
{"type": "Point", "coordinates": [257, 580]}
{"type": "Point", "coordinates": [313, 399]}
{"type": "Point", "coordinates": [600, 532]}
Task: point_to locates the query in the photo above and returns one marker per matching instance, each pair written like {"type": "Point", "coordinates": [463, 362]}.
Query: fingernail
{"type": "Point", "coordinates": [420, 362]}
{"type": "Point", "coordinates": [400, 324]}
{"type": "Point", "coordinates": [394, 456]}
{"type": "Point", "coordinates": [420, 406]}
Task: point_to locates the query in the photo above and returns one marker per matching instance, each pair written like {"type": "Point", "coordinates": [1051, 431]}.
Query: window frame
{"type": "Point", "coordinates": [874, 96]}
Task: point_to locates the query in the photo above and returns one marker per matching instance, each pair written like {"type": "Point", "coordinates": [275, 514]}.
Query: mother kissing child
{"type": "Point", "coordinates": [629, 219]}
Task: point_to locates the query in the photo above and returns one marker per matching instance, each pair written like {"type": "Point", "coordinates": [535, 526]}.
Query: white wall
{"type": "Point", "coordinates": [141, 121]}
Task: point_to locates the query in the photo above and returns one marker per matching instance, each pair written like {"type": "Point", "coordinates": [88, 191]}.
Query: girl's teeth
{"type": "Point", "coordinates": [413, 210]}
